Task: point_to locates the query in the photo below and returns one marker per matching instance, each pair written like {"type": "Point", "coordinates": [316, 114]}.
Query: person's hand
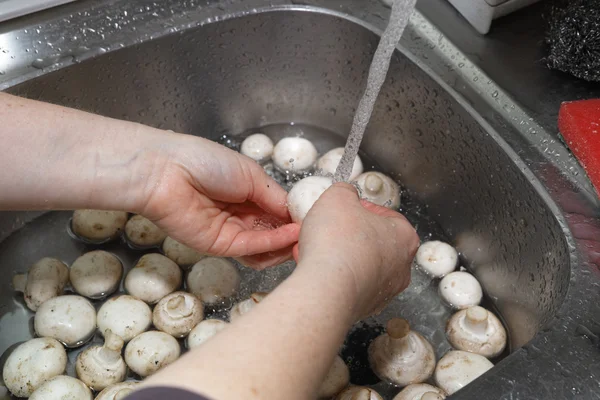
{"type": "Point", "coordinates": [217, 201]}
{"type": "Point", "coordinates": [371, 245]}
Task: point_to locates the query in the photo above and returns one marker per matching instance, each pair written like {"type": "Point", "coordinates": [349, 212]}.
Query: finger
{"type": "Point", "coordinates": [296, 252]}
{"type": "Point", "coordinates": [268, 195]}
{"type": "Point", "coordinates": [251, 242]}
{"type": "Point", "coordinates": [380, 210]}
{"type": "Point", "coordinates": [340, 195]}
{"type": "Point", "coordinates": [262, 261]}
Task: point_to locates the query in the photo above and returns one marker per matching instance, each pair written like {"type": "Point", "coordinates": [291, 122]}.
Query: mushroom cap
{"type": "Point", "coordinates": [69, 319]}
{"type": "Point", "coordinates": [336, 380]}
{"type": "Point", "coordinates": [118, 391]}
{"type": "Point", "coordinates": [177, 313]}
{"type": "Point", "coordinates": [436, 258]}
{"type": "Point", "coordinates": [294, 154]}
{"type": "Point", "coordinates": [379, 189]}
{"type": "Point", "coordinates": [417, 392]}
{"type": "Point", "coordinates": [244, 307]}
{"type": "Point", "coordinates": [358, 393]}
{"type": "Point", "coordinates": [98, 225]}
{"type": "Point", "coordinates": [141, 232]}
{"type": "Point", "coordinates": [304, 194]}
{"type": "Point", "coordinates": [204, 331]}
{"type": "Point", "coordinates": [153, 277]}
{"type": "Point", "coordinates": [32, 363]}
{"type": "Point", "coordinates": [96, 274]}
{"type": "Point", "coordinates": [125, 316]}
{"type": "Point", "coordinates": [180, 253]}
{"type": "Point", "coordinates": [258, 147]}
{"type": "Point", "coordinates": [150, 351]}
{"type": "Point", "coordinates": [401, 356]}
{"type": "Point", "coordinates": [62, 387]}
{"type": "Point", "coordinates": [477, 330]}
{"type": "Point", "coordinates": [213, 279]}
{"type": "Point", "coordinates": [329, 161]}
{"type": "Point", "coordinates": [459, 368]}
{"type": "Point", "coordinates": [460, 290]}
{"type": "Point", "coordinates": [45, 279]}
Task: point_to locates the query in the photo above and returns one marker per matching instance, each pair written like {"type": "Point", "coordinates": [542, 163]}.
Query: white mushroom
{"type": "Point", "coordinates": [258, 147]}
{"type": "Point", "coordinates": [359, 393]}
{"type": "Point", "coordinates": [213, 279]}
{"type": "Point", "coordinates": [421, 391]}
{"type": "Point", "coordinates": [150, 351]}
{"type": "Point", "coordinates": [96, 274]}
{"type": "Point", "coordinates": [180, 253]}
{"type": "Point", "coordinates": [33, 363]}
{"type": "Point", "coordinates": [336, 380]}
{"type": "Point", "coordinates": [45, 279]}
{"type": "Point", "coordinates": [204, 331]}
{"type": "Point", "coordinates": [118, 391]}
{"type": "Point", "coordinates": [69, 319]}
{"type": "Point", "coordinates": [294, 154]}
{"type": "Point", "coordinates": [460, 290]}
{"type": "Point", "coordinates": [62, 387]}
{"type": "Point", "coordinates": [141, 232]}
{"type": "Point", "coordinates": [304, 195]}
{"type": "Point", "coordinates": [459, 368]}
{"type": "Point", "coordinates": [98, 225]}
{"type": "Point", "coordinates": [401, 356]}
{"type": "Point", "coordinates": [125, 316]}
{"type": "Point", "coordinates": [379, 189]}
{"type": "Point", "coordinates": [244, 307]}
{"type": "Point", "coordinates": [328, 163]}
{"type": "Point", "coordinates": [177, 313]}
{"type": "Point", "coordinates": [152, 278]}
{"type": "Point", "coordinates": [102, 366]}
{"type": "Point", "coordinates": [436, 258]}
{"type": "Point", "coordinates": [476, 330]}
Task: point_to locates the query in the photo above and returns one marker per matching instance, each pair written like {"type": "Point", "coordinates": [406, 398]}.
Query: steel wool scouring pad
{"type": "Point", "coordinates": [573, 38]}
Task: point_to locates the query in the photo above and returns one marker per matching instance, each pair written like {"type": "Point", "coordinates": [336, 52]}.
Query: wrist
{"type": "Point", "coordinates": [335, 282]}
{"type": "Point", "coordinates": [126, 166]}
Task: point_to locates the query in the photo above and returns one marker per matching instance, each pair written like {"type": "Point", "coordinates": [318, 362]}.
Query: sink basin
{"type": "Point", "coordinates": [307, 64]}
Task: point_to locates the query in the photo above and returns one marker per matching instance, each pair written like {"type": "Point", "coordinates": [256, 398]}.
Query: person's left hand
{"type": "Point", "coordinates": [217, 201]}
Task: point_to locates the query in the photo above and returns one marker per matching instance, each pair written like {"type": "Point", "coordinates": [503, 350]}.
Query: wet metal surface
{"type": "Point", "coordinates": [491, 171]}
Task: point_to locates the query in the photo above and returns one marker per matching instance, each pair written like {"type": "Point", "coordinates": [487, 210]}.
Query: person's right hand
{"type": "Point", "coordinates": [367, 244]}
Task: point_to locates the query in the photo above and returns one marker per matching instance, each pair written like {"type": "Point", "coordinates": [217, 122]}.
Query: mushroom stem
{"type": "Point", "coordinates": [397, 328]}
{"type": "Point", "coordinates": [177, 307]}
{"type": "Point", "coordinates": [432, 396]}
{"type": "Point", "coordinates": [476, 319]}
{"type": "Point", "coordinates": [121, 394]}
{"type": "Point", "coordinates": [362, 394]}
{"type": "Point", "coordinates": [373, 184]}
{"type": "Point", "coordinates": [112, 341]}
{"type": "Point", "coordinates": [19, 282]}
{"type": "Point", "coordinates": [258, 296]}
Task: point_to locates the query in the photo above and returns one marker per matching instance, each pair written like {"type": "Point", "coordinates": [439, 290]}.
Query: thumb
{"type": "Point", "coordinates": [340, 194]}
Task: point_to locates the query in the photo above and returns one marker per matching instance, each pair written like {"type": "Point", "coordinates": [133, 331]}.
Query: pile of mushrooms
{"type": "Point", "coordinates": [142, 339]}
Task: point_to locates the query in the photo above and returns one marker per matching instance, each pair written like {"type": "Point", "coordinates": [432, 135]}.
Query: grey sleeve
{"type": "Point", "coordinates": [160, 393]}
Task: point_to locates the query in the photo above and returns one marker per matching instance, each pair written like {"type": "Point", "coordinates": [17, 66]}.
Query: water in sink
{"type": "Point", "coordinates": [49, 235]}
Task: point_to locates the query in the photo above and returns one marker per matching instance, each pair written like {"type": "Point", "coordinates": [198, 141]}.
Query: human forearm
{"type": "Point", "coordinates": [60, 158]}
{"type": "Point", "coordinates": [281, 350]}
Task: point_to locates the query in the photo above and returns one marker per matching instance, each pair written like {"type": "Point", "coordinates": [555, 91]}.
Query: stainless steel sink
{"type": "Point", "coordinates": [454, 139]}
